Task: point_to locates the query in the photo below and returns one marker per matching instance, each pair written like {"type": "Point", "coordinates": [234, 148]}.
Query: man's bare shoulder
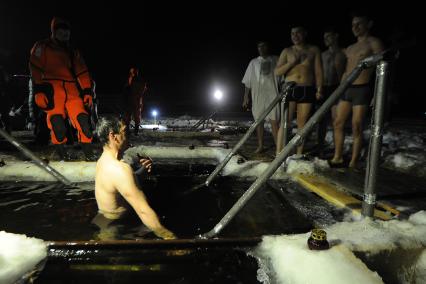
{"type": "Point", "coordinates": [375, 42]}
{"type": "Point", "coordinates": [350, 47]}
{"type": "Point", "coordinates": [373, 39]}
{"type": "Point", "coordinates": [121, 168]}
{"type": "Point", "coordinates": [112, 167]}
{"type": "Point", "coordinates": [285, 51]}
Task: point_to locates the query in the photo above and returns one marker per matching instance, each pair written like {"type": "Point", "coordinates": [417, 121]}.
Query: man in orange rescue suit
{"type": "Point", "coordinates": [62, 87]}
{"type": "Point", "coordinates": [134, 90]}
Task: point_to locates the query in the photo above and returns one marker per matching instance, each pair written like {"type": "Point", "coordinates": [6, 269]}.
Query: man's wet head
{"type": "Point", "coordinates": [61, 29]}
{"type": "Point", "coordinates": [112, 132]}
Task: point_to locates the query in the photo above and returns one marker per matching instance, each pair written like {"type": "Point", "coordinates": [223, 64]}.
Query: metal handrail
{"type": "Point", "coordinates": [40, 163]}
{"type": "Point", "coordinates": [310, 124]}
{"type": "Point", "coordinates": [287, 87]}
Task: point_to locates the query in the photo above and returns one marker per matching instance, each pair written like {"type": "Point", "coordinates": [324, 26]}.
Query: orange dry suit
{"type": "Point", "coordinates": [62, 87]}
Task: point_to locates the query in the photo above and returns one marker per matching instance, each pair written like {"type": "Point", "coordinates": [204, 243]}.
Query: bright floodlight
{"type": "Point", "coordinates": [154, 113]}
{"type": "Point", "coordinates": [218, 95]}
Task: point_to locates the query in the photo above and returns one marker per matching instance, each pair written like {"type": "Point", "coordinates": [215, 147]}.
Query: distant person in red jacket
{"type": "Point", "coordinates": [134, 90]}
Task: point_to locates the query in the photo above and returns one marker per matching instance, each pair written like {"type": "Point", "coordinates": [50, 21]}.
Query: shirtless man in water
{"type": "Point", "coordinates": [114, 179]}
{"type": "Point", "coordinates": [300, 63]}
{"type": "Point", "coordinates": [358, 96]}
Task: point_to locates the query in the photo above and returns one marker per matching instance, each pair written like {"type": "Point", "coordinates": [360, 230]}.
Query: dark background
{"type": "Point", "coordinates": [187, 50]}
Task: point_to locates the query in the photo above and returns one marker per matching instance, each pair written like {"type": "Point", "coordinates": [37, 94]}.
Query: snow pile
{"type": "Point", "coordinates": [322, 164]}
{"type": "Point", "coordinates": [250, 169]}
{"type": "Point", "coordinates": [287, 259]}
{"type": "Point", "coordinates": [187, 121]}
{"type": "Point", "coordinates": [374, 236]}
{"type": "Point", "coordinates": [25, 170]}
{"type": "Point", "coordinates": [156, 152]}
{"type": "Point", "coordinates": [293, 262]}
{"type": "Point", "coordinates": [19, 255]}
{"type": "Point", "coordinates": [401, 149]}
{"type": "Point", "coordinates": [154, 126]}
{"type": "Point", "coordinates": [299, 166]}
{"type": "Point", "coordinates": [410, 162]}
{"type": "Point", "coordinates": [404, 151]}
{"type": "Point", "coordinates": [244, 169]}
{"type": "Point", "coordinates": [402, 160]}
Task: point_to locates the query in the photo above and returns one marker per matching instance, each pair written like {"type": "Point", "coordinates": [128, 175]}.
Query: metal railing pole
{"type": "Point", "coordinates": [246, 136]}
{"type": "Point", "coordinates": [374, 152]}
{"type": "Point", "coordinates": [204, 119]}
{"type": "Point", "coordinates": [36, 159]}
{"type": "Point", "coordinates": [260, 181]}
{"type": "Point", "coordinates": [284, 122]}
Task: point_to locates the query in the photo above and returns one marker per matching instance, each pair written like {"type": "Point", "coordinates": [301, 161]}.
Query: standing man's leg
{"type": "Point", "coordinates": [80, 120]}
{"type": "Point", "coordinates": [342, 113]}
{"type": "Point", "coordinates": [51, 98]}
{"type": "Point", "coordinates": [303, 113]}
{"type": "Point", "coordinates": [358, 115]}
{"type": "Point", "coordinates": [333, 114]}
{"type": "Point", "coordinates": [322, 125]}
{"type": "Point", "coordinates": [259, 132]}
{"type": "Point", "coordinates": [291, 111]}
{"type": "Point", "coordinates": [274, 127]}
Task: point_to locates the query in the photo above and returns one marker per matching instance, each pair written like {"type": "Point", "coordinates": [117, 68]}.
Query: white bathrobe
{"type": "Point", "coordinates": [261, 80]}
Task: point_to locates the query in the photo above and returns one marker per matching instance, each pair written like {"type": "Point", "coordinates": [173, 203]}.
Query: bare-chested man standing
{"type": "Point", "coordinates": [300, 63]}
{"type": "Point", "coordinates": [358, 96]}
{"type": "Point", "coordinates": [333, 63]}
{"type": "Point", "coordinates": [114, 179]}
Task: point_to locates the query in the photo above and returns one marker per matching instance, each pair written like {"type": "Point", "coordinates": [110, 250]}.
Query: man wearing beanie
{"type": "Point", "coordinates": [62, 86]}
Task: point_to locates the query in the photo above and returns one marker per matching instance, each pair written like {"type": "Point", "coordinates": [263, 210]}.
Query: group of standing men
{"type": "Point", "coordinates": [316, 76]}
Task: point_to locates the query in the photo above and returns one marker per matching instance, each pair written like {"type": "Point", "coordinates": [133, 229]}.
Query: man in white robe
{"type": "Point", "coordinates": [260, 81]}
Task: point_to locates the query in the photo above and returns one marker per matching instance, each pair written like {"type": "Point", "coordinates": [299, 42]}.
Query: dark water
{"type": "Point", "coordinates": [52, 212]}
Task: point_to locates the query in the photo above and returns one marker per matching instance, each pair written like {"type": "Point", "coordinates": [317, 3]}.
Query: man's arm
{"type": "Point", "coordinates": [81, 71]}
{"type": "Point", "coordinates": [37, 62]}
{"type": "Point", "coordinates": [345, 53]}
{"type": "Point", "coordinates": [318, 72]}
{"type": "Point", "coordinates": [246, 99]}
{"type": "Point", "coordinates": [247, 84]}
{"type": "Point", "coordinates": [125, 184]}
{"type": "Point", "coordinates": [283, 65]}
{"type": "Point", "coordinates": [376, 45]}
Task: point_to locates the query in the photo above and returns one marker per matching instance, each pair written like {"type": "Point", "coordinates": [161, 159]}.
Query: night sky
{"type": "Point", "coordinates": [186, 50]}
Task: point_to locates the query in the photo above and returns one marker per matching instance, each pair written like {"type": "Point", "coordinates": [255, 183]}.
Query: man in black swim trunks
{"type": "Point", "coordinates": [300, 63]}
{"type": "Point", "coordinates": [357, 96]}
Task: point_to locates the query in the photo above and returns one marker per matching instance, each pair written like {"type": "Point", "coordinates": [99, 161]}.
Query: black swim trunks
{"type": "Point", "coordinates": [358, 94]}
{"type": "Point", "coordinates": [302, 95]}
